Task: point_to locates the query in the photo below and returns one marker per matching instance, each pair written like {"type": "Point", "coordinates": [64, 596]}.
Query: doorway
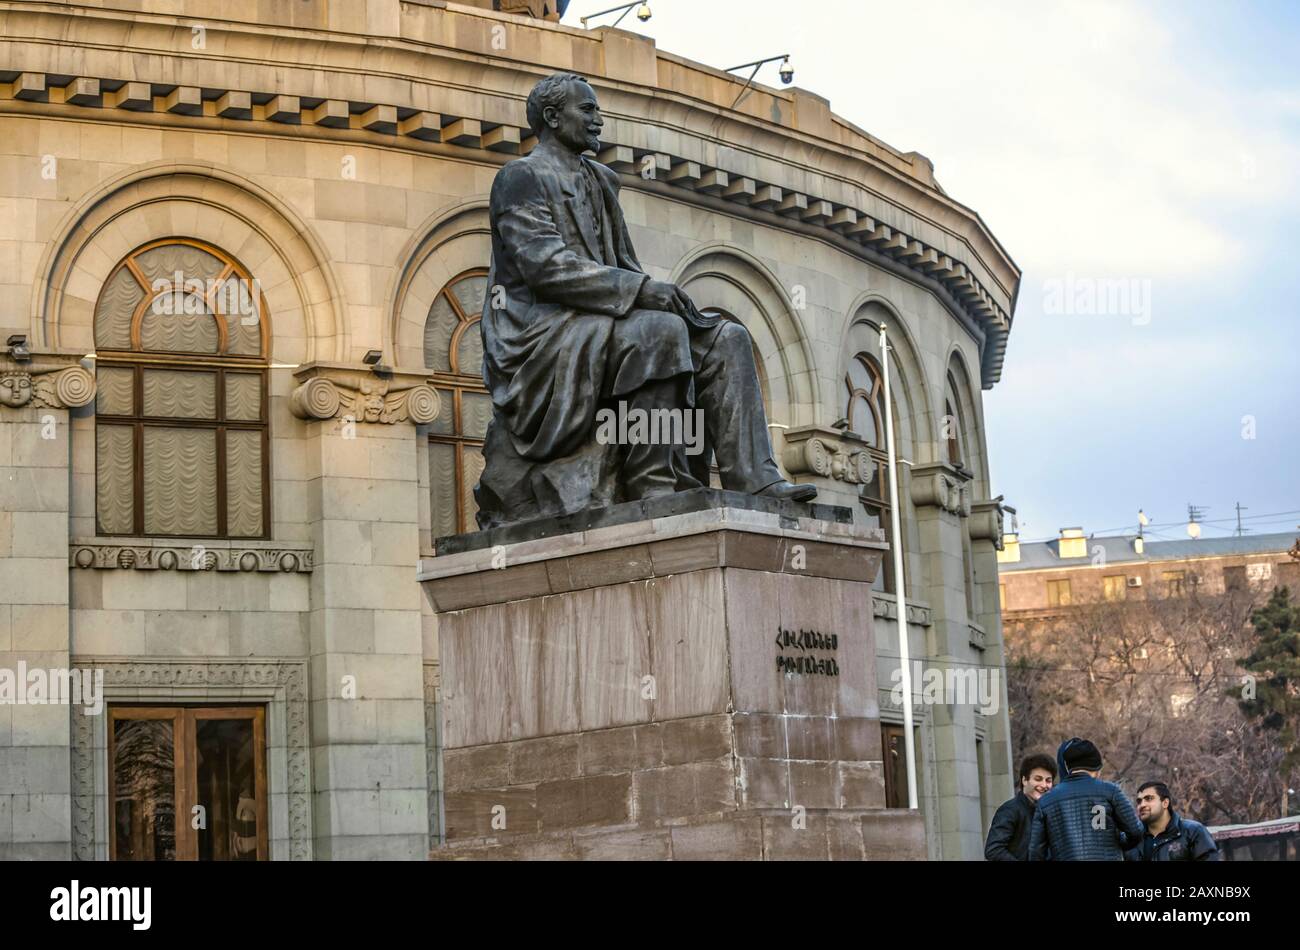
{"type": "Point", "coordinates": [187, 783]}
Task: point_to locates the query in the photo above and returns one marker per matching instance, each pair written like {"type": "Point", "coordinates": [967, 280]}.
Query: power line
{"type": "Point", "coordinates": [1172, 524]}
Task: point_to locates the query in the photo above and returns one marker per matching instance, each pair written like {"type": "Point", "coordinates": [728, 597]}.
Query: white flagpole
{"type": "Point", "coordinates": [901, 594]}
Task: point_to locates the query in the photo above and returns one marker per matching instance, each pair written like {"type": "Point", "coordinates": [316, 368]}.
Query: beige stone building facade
{"type": "Point", "coordinates": [243, 248]}
{"type": "Point", "coordinates": [1043, 579]}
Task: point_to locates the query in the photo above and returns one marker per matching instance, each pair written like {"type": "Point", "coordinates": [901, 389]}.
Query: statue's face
{"type": "Point", "coordinates": [578, 124]}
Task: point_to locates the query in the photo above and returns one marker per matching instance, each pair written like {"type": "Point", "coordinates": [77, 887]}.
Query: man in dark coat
{"type": "Point", "coordinates": [1169, 836]}
{"type": "Point", "coordinates": [1083, 818]}
{"type": "Point", "coordinates": [572, 324]}
{"type": "Point", "coordinates": [1008, 838]}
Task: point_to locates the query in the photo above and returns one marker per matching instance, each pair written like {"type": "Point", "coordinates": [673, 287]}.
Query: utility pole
{"type": "Point", "coordinates": [1240, 529]}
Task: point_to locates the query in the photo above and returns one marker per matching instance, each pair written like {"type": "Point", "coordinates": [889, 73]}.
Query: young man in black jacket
{"type": "Point", "coordinates": [1083, 818]}
{"type": "Point", "coordinates": [1009, 833]}
{"type": "Point", "coordinates": [1169, 836]}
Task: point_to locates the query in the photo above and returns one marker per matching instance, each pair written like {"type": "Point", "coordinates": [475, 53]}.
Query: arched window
{"type": "Point", "coordinates": [953, 430]}
{"type": "Point", "coordinates": [865, 412]}
{"type": "Point", "coordinates": [181, 437]}
{"type": "Point", "coordinates": [953, 434]}
{"type": "Point", "coordinates": [453, 350]}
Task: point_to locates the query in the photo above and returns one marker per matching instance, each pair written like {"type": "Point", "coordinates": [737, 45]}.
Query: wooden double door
{"type": "Point", "coordinates": [187, 783]}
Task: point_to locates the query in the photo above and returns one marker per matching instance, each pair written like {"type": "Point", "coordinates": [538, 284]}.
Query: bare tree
{"type": "Point", "coordinates": [1152, 683]}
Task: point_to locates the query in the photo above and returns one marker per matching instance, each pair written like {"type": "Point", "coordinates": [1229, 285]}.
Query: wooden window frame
{"type": "Point", "coordinates": [185, 765]}
{"type": "Point", "coordinates": [458, 383]}
{"type": "Point", "coordinates": [138, 359]}
{"type": "Point", "coordinates": [888, 729]}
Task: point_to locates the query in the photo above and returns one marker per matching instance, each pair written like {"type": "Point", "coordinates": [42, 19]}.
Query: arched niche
{"type": "Point", "coordinates": [958, 386]}
{"type": "Point", "coordinates": [207, 204]}
{"type": "Point", "coordinates": [907, 385]}
{"type": "Point", "coordinates": [453, 242]}
{"type": "Point", "coordinates": [725, 279]}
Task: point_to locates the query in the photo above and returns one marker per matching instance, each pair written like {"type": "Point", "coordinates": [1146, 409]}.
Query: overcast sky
{"type": "Point", "coordinates": [1153, 143]}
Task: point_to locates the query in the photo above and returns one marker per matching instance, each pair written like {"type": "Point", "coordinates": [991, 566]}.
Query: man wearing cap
{"type": "Point", "coordinates": [1083, 818]}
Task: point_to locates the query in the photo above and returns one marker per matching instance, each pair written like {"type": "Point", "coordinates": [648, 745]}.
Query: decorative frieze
{"type": "Point", "coordinates": [146, 554]}
{"type": "Point", "coordinates": [830, 453]}
{"type": "Point", "coordinates": [943, 486]}
{"type": "Point", "coordinates": [341, 390]}
{"type": "Point", "coordinates": [53, 380]}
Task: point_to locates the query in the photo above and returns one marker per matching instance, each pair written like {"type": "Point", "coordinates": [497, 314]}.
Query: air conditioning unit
{"type": "Point", "coordinates": [1135, 582]}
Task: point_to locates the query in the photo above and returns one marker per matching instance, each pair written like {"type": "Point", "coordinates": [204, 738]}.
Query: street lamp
{"type": "Point", "coordinates": [642, 13]}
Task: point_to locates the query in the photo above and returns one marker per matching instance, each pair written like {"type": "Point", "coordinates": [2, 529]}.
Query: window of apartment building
{"type": "Point", "coordinates": [453, 349]}
{"type": "Point", "coordinates": [1175, 582]}
{"type": "Point", "coordinates": [865, 412]}
{"type": "Point", "coordinates": [181, 435]}
{"type": "Point", "coordinates": [187, 783]}
{"type": "Point", "coordinates": [1114, 587]}
{"type": "Point", "coordinates": [1058, 593]}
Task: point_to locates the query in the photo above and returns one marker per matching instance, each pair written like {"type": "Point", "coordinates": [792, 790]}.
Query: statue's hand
{"type": "Point", "coordinates": [658, 295]}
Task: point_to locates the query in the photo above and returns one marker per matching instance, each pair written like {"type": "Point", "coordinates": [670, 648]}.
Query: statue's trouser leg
{"type": "Point", "coordinates": [727, 389]}
{"type": "Point", "coordinates": [650, 365]}
{"type": "Point", "coordinates": [654, 469]}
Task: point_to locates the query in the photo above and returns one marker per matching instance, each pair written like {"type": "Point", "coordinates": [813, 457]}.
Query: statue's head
{"type": "Point", "coordinates": [563, 106]}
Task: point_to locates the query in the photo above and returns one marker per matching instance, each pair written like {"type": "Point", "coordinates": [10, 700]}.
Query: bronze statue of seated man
{"type": "Point", "coordinates": [578, 339]}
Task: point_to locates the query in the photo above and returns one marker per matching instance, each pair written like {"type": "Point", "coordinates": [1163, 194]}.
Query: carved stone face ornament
{"type": "Point", "coordinates": [15, 389]}
{"type": "Point", "coordinates": [370, 403]}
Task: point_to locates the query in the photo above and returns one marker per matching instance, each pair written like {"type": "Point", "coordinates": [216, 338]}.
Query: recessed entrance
{"type": "Point", "coordinates": [187, 783]}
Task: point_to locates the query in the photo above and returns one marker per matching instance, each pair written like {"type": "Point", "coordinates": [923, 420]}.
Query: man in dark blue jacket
{"type": "Point", "coordinates": [1009, 833]}
{"type": "Point", "coordinates": [1083, 818]}
{"type": "Point", "coordinates": [1169, 836]}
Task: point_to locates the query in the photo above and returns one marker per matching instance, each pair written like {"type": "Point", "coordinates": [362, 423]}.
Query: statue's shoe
{"type": "Point", "coordinates": [787, 491]}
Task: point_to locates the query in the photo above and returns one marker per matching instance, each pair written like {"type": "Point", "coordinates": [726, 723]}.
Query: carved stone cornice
{"type": "Point", "coordinates": [886, 608]}
{"type": "Point", "coordinates": [346, 390]}
{"type": "Point", "coordinates": [963, 264]}
{"type": "Point", "coordinates": [986, 521]}
{"type": "Point", "coordinates": [152, 554]}
{"type": "Point", "coordinates": [830, 453]}
{"type": "Point", "coordinates": [53, 379]}
{"type": "Point", "coordinates": [943, 486]}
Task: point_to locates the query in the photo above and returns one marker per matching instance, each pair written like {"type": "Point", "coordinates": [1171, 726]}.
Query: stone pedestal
{"type": "Point", "coordinates": [661, 682]}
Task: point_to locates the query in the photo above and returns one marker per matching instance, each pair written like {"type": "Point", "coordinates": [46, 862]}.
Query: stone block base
{"type": "Point", "coordinates": [699, 684]}
{"type": "Point", "coordinates": [876, 834]}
